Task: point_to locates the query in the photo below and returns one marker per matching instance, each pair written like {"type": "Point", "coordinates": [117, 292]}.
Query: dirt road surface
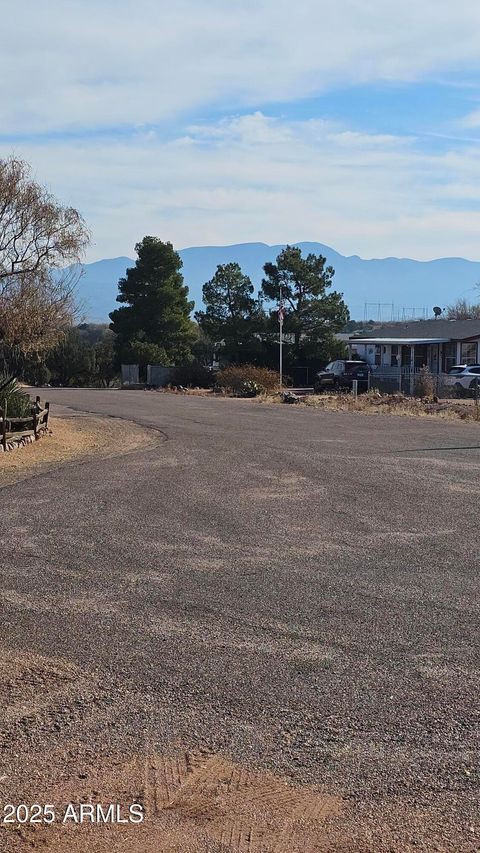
{"type": "Point", "coordinates": [261, 625]}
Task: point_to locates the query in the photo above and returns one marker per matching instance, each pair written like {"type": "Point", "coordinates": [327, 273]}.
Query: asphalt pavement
{"type": "Point", "coordinates": [294, 588]}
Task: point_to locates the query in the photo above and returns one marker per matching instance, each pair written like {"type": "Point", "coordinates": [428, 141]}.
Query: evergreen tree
{"type": "Point", "coordinates": [72, 361]}
{"type": "Point", "coordinates": [312, 315]}
{"type": "Point", "coordinates": [232, 315]}
{"type": "Point", "coordinates": [153, 325]}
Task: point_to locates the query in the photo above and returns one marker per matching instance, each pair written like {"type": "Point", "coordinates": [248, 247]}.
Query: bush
{"type": "Point", "coordinates": [36, 374]}
{"type": "Point", "coordinates": [193, 376]}
{"type": "Point", "coordinates": [248, 380]}
{"type": "Point", "coordinates": [424, 383]}
{"type": "Point", "coordinates": [19, 404]}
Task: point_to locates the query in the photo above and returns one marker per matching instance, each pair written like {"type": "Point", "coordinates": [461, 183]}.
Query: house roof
{"type": "Point", "coordinates": [423, 331]}
{"type": "Point", "coordinates": [405, 341]}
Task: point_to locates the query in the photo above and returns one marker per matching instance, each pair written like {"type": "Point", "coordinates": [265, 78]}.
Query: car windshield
{"type": "Point", "coordinates": [455, 370]}
{"type": "Point", "coordinates": [329, 367]}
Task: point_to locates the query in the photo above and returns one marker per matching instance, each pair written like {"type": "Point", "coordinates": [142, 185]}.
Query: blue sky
{"type": "Point", "coordinates": [355, 124]}
{"type": "Point", "coordinates": [427, 108]}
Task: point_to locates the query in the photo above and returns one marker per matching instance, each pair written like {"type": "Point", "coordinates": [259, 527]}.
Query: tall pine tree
{"type": "Point", "coordinates": [233, 315]}
{"type": "Point", "coordinates": [312, 312]}
{"type": "Point", "coordinates": [153, 325]}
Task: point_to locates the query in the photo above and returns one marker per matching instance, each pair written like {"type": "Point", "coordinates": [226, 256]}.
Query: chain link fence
{"type": "Point", "coordinates": [422, 383]}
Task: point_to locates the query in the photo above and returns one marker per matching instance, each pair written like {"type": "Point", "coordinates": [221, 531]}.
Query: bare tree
{"type": "Point", "coordinates": [462, 310]}
{"type": "Point", "coordinates": [41, 246]}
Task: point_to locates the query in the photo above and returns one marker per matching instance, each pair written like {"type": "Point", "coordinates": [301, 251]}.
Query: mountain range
{"type": "Point", "coordinates": [378, 289]}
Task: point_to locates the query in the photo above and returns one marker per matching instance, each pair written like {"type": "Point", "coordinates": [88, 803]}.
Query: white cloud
{"type": "Point", "coordinates": [85, 63]}
{"type": "Point", "coordinates": [255, 178]}
{"type": "Point", "coordinates": [77, 65]}
{"type": "Point", "coordinates": [472, 120]}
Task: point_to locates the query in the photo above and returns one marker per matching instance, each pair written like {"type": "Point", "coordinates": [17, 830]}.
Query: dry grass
{"type": "Point", "coordinates": [71, 439]}
{"type": "Point", "coordinates": [189, 392]}
{"type": "Point", "coordinates": [373, 403]}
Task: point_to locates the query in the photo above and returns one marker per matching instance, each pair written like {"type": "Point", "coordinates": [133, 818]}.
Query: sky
{"type": "Point", "coordinates": [354, 123]}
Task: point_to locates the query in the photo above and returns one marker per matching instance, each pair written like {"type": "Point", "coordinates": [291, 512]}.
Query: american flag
{"type": "Point", "coordinates": [281, 314]}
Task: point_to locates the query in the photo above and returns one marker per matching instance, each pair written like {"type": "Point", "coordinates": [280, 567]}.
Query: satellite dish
{"type": "Point", "coordinates": [437, 311]}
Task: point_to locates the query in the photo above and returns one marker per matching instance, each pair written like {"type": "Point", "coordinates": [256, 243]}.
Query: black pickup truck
{"type": "Point", "coordinates": [340, 374]}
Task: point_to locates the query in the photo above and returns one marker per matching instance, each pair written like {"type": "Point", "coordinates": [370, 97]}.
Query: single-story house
{"type": "Point", "coordinates": [436, 344]}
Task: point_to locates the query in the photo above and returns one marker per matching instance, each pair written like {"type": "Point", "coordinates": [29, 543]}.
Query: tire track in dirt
{"type": "Point", "coordinates": [245, 811]}
{"type": "Point", "coordinates": [193, 801]}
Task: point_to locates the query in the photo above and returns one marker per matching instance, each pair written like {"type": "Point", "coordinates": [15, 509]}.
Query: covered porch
{"type": "Point", "coordinates": [406, 354]}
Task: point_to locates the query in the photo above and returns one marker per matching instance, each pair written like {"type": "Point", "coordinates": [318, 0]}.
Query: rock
{"type": "Point", "coordinates": [289, 397]}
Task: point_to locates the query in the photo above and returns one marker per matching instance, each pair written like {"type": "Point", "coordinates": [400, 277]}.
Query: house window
{"type": "Point", "coordinates": [394, 356]}
{"type": "Point", "coordinates": [469, 353]}
{"type": "Point", "coordinates": [449, 356]}
{"type": "Point", "coordinates": [378, 354]}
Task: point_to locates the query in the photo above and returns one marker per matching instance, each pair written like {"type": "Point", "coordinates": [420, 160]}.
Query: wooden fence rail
{"type": "Point", "coordinates": [33, 424]}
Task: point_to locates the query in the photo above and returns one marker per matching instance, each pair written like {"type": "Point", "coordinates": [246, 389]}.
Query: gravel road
{"type": "Point", "coordinates": [295, 590]}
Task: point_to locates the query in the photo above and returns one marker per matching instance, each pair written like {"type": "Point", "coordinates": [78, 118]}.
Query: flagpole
{"type": "Point", "coordinates": [280, 318]}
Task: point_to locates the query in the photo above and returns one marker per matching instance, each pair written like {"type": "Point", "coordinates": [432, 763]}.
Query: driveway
{"type": "Point", "coordinates": [283, 590]}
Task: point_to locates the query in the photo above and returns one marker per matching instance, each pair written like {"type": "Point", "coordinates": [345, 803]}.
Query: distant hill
{"type": "Point", "coordinates": [404, 282]}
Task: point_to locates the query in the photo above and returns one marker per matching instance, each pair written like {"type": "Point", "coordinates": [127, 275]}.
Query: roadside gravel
{"type": "Point", "coordinates": [279, 590]}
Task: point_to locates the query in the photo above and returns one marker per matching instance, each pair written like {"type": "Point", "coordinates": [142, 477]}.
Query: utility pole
{"type": "Point", "coordinates": [280, 320]}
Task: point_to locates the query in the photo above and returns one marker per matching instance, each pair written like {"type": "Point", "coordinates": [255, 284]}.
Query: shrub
{"type": "Point", "coordinates": [193, 376]}
{"type": "Point", "coordinates": [424, 383]}
{"type": "Point", "coordinates": [36, 374]}
{"type": "Point", "coordinates": [19, 404]}
{"type": "Point", "coordinates": [248, 380]}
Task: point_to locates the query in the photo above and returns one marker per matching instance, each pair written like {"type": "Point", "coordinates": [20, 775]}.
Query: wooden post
{"type": "Point", "coordinates": [4, 426]}
{"type": "Point", "coordinates": [35, 420]}
{"type": "Point", "coordinates": [47, 406]}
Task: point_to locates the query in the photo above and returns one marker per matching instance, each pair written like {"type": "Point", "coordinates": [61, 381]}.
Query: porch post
{"type": "Point", "coordinates": [412, 368]}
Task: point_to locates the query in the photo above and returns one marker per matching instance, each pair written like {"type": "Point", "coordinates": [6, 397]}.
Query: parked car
{"type": "Point", "coordinates": [462, 378]}
{"type": "Point", "coordinates": [341, 373]}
